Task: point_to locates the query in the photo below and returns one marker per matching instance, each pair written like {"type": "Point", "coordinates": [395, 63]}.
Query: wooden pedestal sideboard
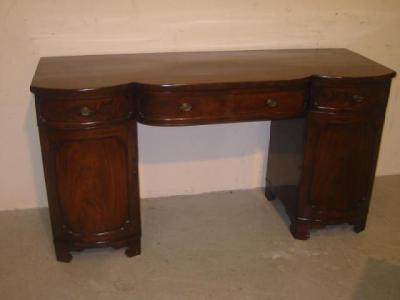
{"type": "Point", "coordinates": [327, 108]}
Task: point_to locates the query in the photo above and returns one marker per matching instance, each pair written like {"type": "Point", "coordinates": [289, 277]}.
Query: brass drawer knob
{"type": "Point", "coordinates": [272, 103]}
{"type": "Point", "coordinates": [358, 98]}
{"type": "Point", "coordinates": [185, 107]}
{"type": "Point", "coordinates": [85, 111]}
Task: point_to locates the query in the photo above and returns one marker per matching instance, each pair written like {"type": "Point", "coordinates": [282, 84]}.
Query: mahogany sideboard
{"type": "Point", "coordinates": [327, 108]}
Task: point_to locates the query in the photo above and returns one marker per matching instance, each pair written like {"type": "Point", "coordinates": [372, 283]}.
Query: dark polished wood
{"type": "Point", "coordinates": [176, 107]}
{"type": "Point", "coordinates": [94, 72]}
{"type": "Point", "coordinates": [326, 176]}
{"type": "Point", "coordinates": [60, 112]}
{"type": "Point", "coordinates": [327, 108]}
{"type": "Point", "coordinates": [90, 164]}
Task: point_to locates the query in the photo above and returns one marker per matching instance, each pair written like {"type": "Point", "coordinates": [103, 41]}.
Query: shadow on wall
{"type": "Point", "coordinates": [380, 280]}
{"type": "Point", "coordinates": [204, 142]}
{"type": "Point", "coordinates": [32, 135]}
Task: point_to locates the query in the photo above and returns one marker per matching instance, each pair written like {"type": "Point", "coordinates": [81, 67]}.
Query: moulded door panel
{"type": "Point", "coordinates": [96, 193]}
{"type": "Point", "coordinates": [343, 164]}
{"type": "Point", "coordinates": [93, 184]}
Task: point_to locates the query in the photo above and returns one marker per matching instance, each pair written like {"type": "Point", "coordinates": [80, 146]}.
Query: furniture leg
{"type": "Point", "coordinates": [359, 226]}
{"type": "Point", "coordinates": [133, 248]}
{"type": "Point", "coordinates": [63, 253]}
{"type": "Point", "coordinates": [269, 194]}
{"type": "Point", "coordinates": [300, 231]}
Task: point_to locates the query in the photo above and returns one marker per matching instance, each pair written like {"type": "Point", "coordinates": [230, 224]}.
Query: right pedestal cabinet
{"type": "Point", "coordinates": [322, 167]}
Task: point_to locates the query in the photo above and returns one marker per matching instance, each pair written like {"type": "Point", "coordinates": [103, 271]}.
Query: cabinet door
{"type": "Point", "coordinates": [339, 166]}
{"type": "Point", "coordinates": [91, 171]}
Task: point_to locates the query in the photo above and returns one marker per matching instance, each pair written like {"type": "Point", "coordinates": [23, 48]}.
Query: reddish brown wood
{"type": "Point", "coordinates": [222, 105]}
{"type": "Point", "coordinates": [62, 112]}
{"type": "Point", "coordinates": [92, 181]}
{"type": "Point", "coordinates": [327, 108]}
{"type": "Point", "coordinates": [94, 72]}
{"type": "Point", "coordinates": [336, 159]}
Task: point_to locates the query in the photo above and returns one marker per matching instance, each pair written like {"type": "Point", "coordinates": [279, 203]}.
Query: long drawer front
{"type": "Point", "coordinates": [174, 107]}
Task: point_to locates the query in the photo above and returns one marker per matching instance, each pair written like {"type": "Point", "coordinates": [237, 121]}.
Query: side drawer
{"type": "Point", "coordinates": [349, 96]}
{"type": "Point", "coordinates": [200, 107]}
{"type": "Point", "coordinates": [87, 111]}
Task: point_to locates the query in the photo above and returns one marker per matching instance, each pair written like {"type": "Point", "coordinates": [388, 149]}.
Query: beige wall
{"type": "Point", "coordinates": [189, 159]}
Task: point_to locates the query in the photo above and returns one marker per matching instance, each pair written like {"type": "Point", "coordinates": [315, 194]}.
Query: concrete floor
{"type": "Point", "coordinates": [213, 246]}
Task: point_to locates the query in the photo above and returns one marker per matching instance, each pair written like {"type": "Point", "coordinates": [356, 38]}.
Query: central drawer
{"type": "Point", "coordinates": [218, 106]}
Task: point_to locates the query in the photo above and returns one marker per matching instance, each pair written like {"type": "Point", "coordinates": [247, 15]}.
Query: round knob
{"type": "Point", "coordinates": [185, 107]}
{"type": "Point", "coordinates": [85, 111]}
{"type": "Point", "coordinates": [358, 98]}
{"type": "Point", "coordinates": [272, 103]}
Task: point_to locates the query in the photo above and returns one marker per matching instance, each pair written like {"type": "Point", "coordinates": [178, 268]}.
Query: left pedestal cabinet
{"type": "Point", "coordinates": [89, 149]}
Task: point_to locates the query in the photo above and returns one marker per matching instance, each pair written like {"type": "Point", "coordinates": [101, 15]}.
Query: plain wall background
{"type": "Point", "coordinates": [187, 159]}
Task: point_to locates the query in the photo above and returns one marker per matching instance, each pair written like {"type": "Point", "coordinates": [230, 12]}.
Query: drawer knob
{"type": "Point", "coordinates": [358, 98]}
{"type": "Point", "coordinates": [272, 103]}
{"type": "Point", "coordinates": [85, 111]}
{"type": "Point", "coordinates": [185, 107]}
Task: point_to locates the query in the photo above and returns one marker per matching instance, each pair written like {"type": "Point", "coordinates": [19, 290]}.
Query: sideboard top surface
{"type": "Point", "coordinates": [92, 72]}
